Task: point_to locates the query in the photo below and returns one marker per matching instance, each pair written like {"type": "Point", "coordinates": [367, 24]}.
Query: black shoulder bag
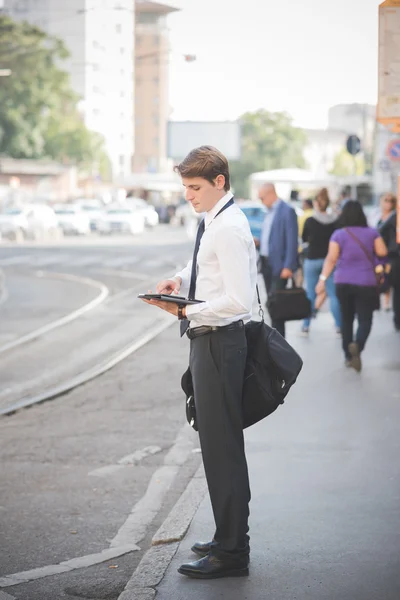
{"type": "Point", "coordinates": [272, 367]}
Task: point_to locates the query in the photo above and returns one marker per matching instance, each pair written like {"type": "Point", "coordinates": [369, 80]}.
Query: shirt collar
{"type": "Point", "coordinates": [211, 214]}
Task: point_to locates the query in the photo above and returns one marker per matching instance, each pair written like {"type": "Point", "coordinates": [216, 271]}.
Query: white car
{"type": "Point", "coordinates": [121, 220]}
{"type": "Point", "coordinates": [72, 220]}
{"type": "Point", "coordinates": [93, 209]}
{"type": "Point", "coordinates": [31, 221]}
{"type": "Point", "coordinates": [151, 217]}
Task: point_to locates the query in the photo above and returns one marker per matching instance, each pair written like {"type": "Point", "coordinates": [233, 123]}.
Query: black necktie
{"type": "Point", "coordinates": [193, 276]}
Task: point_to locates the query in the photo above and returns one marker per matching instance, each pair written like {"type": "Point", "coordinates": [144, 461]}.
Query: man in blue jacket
{"type": "Point", "coordinates": [278, 244]}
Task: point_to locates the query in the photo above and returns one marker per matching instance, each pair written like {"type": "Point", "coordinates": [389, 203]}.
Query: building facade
{"type": "Point", "coordinates": [99, 37]}
{"type": "Point", "coordinates": [151, 87]}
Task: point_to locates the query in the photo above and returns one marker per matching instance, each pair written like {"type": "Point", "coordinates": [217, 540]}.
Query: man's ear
{"type": "Point", "coordinates": [220, 182]}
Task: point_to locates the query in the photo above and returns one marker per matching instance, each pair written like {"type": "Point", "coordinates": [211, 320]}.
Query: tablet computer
{"type": "Point", "coordinates": [169, 298]}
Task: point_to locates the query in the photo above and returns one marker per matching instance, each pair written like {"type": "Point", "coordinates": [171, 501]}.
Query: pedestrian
{"type": "Point", "coordinates": [278, 244]}
{"type": "Point", "coordinates": [225, 279]}
{"type": "Point", "coordinates": [388, 233]}
{"type": "Point", "coordinates": [317, 232]}
{"type": "Point", "coordinates": [307, 208]}
{"type": "Point", "coordinates": [387, 205]}
{"type": "Point", "coordinates": [352, 250]}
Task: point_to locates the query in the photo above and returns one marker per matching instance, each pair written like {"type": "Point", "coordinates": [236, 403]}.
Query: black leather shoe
{"type": "Point", "coordinates": [211, 567]}
{"type": "Point", "coordinates": [201, 548]}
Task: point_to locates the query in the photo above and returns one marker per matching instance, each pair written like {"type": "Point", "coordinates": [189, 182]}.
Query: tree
{"type": "Point", "coordinates": [344, 164]}
{"type": "Point", "coordinates": [38, 108]}
{"type": "Point", "coordinates": [269, 141]}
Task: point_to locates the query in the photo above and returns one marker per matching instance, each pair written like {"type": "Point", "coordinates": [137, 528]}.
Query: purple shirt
{"type": "Point", "coordinates": [353, 265]}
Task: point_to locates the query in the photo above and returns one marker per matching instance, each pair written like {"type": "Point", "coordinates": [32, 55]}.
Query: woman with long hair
{"type": "Point", "coordinates": [317, 232]}
{"type": "Point", "coordinates": [353, 250]}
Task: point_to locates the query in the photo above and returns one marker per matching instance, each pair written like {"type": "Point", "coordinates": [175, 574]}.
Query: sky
{"type": "Point", "coordinates": [298, 56]}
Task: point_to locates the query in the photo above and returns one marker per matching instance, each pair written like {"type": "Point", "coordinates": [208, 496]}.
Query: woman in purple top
{"type": "Point", "coordinates": [353, 249]}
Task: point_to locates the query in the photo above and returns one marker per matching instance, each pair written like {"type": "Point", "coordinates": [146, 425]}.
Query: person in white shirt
{"type": "Point", "coordinates": [224, 278]}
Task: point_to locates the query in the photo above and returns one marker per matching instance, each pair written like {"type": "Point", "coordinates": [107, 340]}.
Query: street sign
{"type": "Point", "coordinates": [388, 109]}
{"type": "Point", "coordinates": [384, 165]}
{"type": "Point", "coordinates": [353, 145]}
{"type": "Point", "coordinates": [393, 150]}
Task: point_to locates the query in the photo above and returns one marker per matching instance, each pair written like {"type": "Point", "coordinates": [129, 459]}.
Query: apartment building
{"type": "Point", "coordinates": [151, 86]}
{"type": "Point", "coordinates": [99, 36]}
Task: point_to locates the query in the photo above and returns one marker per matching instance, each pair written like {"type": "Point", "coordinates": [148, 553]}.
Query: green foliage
{"type": "Point", "coordinates": [38, 114]}
{"type": "Point", "coordinates": [269, 141]}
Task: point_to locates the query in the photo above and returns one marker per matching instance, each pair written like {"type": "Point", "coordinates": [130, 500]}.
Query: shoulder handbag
{"type": "Point", "coordinates": [381, 272]}
{"type": "Point", "coordinates": [289, 304]}
{"type": "Point", "coordinates": [272, 367]}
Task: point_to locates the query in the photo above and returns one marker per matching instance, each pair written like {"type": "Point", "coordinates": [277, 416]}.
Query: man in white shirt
{"type": "Point", "coordinates": [224, 278]}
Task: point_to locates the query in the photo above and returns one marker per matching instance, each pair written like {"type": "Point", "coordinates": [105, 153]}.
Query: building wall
{"type": "Point", "coordinates": [99, 36]}
{"type": "Point", "coordinates": [151, 89]}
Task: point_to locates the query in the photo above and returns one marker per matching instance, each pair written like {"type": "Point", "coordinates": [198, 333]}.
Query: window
{"type": "Point", "coordinates": [156, 80]}
{"type": "Point", "coordinates": [156, 120]}
{"type": "Point", "coordinates": [122, 94]}
{"type": "Point", "coordinates": [155, 141]}
{"type": "Point", "coordinates": [156, 40]}
{"type": "Point", "coordinates": [155, 100]}
{"type": "Point", "coordinates": [122, 162]}
{"type": "Point", "coordinates": [95, 67]}
{"type": "Point", "coordinates": [96, 111]}
{"type": "Point", "coordinates": [118, 28]}
{"type": "Point", "coordinates": [122, 50]}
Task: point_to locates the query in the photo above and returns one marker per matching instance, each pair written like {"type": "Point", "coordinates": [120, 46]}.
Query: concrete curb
{"type": "Point", "coordinates": [165, 543]}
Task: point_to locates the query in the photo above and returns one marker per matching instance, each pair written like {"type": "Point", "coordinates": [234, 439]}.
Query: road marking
{"type": "Point", "coordinates": [142, 514]}
{"type": "Point", "coordinates": [16, 260]}
{"type": "Point", "coordinates": [65, 566]}
{"type": "Point", "coordinates": [136, 524]}
{"type": "Point", "coordinates": [125, 274]}
{"type": "Point", "coordinates": [130, 459]}
{"type": "Point", "coordinates": [151, 569]}
{"type": "Point", "coordinates": [92, 373]}
{"type": "Point", "coordinates": [122, 260]}
{"type": "Point", "coordinates": [104, 292]}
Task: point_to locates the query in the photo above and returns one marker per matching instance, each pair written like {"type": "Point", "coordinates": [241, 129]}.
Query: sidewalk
{"type": "Point", "coordinates": [325, 479]}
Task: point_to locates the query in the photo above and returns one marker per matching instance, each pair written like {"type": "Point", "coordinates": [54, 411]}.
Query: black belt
{"type": "Point", "coordinates": [204, 329]}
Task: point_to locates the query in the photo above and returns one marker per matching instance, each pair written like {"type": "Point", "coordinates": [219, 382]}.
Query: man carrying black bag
{"type": "Point", "coordinates": [223, 274]}
{"type": "Point", "coordinates": [278, 247]}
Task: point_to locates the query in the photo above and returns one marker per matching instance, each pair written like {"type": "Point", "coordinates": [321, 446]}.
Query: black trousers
{"type": "Point", "coordinates": [395, 282]}
{"type": "Point", "coordinates": [273, 282]}
{"type": "Point", "coordinates": [360, 301]}
{"type": "Point", "coordinates": [217, 363]}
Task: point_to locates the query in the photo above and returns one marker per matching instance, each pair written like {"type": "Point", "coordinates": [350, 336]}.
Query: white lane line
{"type": "Point", "coordinates": [136, 524]}
{"type": "Point", "coordinates": [16, 260]}
{"type": "Point", "coordinates": [90, 374]}
{"type": "Point", "coordinates": [104, 292]}
{"type": "Point", "coordinates": [130, 459]}
{"type": "Point", "coordinates": [65, 566]}
{"type": "Point", "coordinates": [122, 260]}
{"type": "Point", "coordinates": [142, 514]}
{"type": "Point", "coordinates": [4, 294]}
{"type": "Point", "coordinates": [125, 274]}
{"type": "Point", "coordinates": [48, 261]}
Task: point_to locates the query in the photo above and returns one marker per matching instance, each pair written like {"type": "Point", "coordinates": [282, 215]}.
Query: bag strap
{"type": "Point", "coordinates": [260, 308]}
{"type": "Point", "coordinates": [363, 248]}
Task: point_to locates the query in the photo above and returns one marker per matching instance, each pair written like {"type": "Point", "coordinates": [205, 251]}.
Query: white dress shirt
{"type": "Point", "coordinates": [226, 269]}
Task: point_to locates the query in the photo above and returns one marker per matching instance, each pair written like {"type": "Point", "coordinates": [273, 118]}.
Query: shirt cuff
{"type": "Point", "coordinates": [193, 309]}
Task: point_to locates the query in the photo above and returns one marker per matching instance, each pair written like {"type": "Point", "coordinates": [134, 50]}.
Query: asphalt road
{"type": "Point", "coordinates": [45, 283]}
{"type": "Point", "coordinates": [95, 471]}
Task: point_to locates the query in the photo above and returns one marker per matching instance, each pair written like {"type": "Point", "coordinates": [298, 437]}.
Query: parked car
{"type": "Point", "coordinates": [255, 213]}
{"type": "Point", "coordinates": [151, 217]}
{"type": "Point", "coordinates": [72, 220]}
{"type": "Point", "coordinates": [31, 221]}
{"type": "Point", "coordinates": [121, 220]}
{"type": "Point", "coordinates": [93, 209]}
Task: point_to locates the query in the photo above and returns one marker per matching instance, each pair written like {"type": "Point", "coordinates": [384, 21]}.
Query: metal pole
{"type": "Point", "coordinates": [354, 186]}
